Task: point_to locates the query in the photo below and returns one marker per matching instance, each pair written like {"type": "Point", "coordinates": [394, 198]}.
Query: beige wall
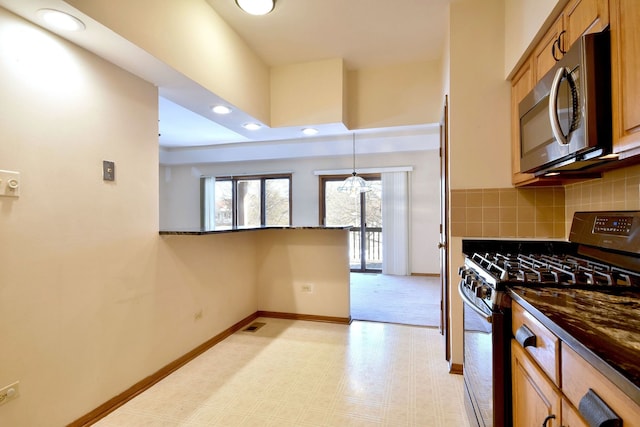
{"type": "Point", "coordinates": [479, 117]}
{"type": "Point", "coordinates": [190, 37]}
{"type": "Point", "coordinates": [92, 298]}
{"type": "Point", "coordinates": [291, 259]}
{"type": "Point", "coordinates": [398, 95]}
{"type": "Point", "coordinates": [525, 21]}
{"type": "Point", "coordinates": [479, 97]}
{"type": "Point", "coordinates": [180, 196]}
{"type": "Point", "coordinates": [308, 93]}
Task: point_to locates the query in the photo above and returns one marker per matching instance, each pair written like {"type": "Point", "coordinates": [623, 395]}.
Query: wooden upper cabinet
{"type": "Point", "coordinates": [521, 85]}
{"type": "Point", "coordinates": [625, 76]}
{"type": "Point", "coordinates": [584, 17]}
{"type": "Point", "coordinates": [579, 17]}
{"type": "Point", "coordinates": [550, 45]}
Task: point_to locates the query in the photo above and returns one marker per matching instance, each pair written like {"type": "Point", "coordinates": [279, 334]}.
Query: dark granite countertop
{"type": "Point", "coordinates": [201, 231]}
{"type": "Point", "coordinates": [603, 326]}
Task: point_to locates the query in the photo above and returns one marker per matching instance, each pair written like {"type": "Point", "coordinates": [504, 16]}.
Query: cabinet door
{"type": "Point", "coordinates": [625, 76]}
{"type": "Point", "coordinates": [584, 17]}
{"type": "Point", "coordinates": [534, 397]}
{"type": "Point", "coordinates": [521, 85]}
{"type": "Point", "coordinates": [543, 59]}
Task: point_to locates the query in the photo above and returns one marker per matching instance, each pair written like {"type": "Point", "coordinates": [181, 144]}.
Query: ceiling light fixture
{"type": "Point", "coordinates": [355, 184]}
{"type": "Point", "coordinates": [221, 109]}
{"type": "Point", "coordinates": [251, 126]}
{"type": "Point", "coordinates": [256, 7]}
{"type": "Point", "coordinates": [310, 131]}
{"type": "Point", "coordinates": [61, 20]}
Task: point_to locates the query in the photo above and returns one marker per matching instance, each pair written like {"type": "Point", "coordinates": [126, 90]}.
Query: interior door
{"type": "Point", "coordinates": [444, 230]}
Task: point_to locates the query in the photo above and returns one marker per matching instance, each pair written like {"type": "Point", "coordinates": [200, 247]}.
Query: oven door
{"type": "Point", "coordinates": [487, 364]}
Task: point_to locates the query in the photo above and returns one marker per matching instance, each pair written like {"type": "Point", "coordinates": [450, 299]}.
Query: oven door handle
{"type": "Point", "coordinates": [467, 300]}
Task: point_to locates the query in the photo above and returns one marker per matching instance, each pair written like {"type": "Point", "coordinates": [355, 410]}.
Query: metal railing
{"type": "Point", "coordinates": [373, 247]}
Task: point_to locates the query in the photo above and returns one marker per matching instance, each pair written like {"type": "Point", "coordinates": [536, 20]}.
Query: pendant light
{"type": "Point", "coordinates": [355, 184]}
{"type": "Point", "coordinates": [256, 7]}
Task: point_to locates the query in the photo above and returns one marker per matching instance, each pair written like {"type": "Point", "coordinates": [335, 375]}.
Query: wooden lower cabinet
{"type": "Point", "coordinates": [535, 397]}
{"type": "Point", "coordinates": [549, 379]}
{"type": "Point", "coordinates": [571, 416]}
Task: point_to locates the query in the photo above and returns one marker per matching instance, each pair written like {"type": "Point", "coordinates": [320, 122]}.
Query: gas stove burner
{"type": "Point", "coordinates": [562, 270]}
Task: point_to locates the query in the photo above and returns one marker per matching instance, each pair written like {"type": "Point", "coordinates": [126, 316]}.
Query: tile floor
{"type": "Point", "coordinates": [300, 373]}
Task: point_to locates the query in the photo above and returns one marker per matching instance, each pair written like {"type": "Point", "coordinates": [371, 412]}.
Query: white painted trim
{"type": "Point", "coordinates": [363, 170]}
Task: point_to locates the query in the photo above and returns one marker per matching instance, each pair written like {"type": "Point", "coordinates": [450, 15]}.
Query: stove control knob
{"type": "Point", "coordinates": [462, 271]}
{"type": "Point", "coordinates": [483, 292]}
{"type": "Point", "coordinates": [470, 283]}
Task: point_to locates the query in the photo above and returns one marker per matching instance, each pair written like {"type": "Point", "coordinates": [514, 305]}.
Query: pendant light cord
{"type": "Point", "coordinates": [354, 154]}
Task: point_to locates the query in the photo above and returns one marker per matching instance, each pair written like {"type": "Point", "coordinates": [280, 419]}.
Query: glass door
{"type": "Point", "coordinates": [363, 213]}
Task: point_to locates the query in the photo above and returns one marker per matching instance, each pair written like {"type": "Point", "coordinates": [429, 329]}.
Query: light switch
{"type": "Point", "coordinates": [108, 170]}
{"type": "Point", "coordinates": [9, 183]}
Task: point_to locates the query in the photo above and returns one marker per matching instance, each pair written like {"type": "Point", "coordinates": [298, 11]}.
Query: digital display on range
{"type": "Point", "coordinates": [616, 225]}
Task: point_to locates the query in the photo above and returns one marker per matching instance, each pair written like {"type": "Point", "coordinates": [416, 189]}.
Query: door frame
{"type": "Point", "coordinates": [443, 245]}
{"type": "Point", "coordinates": [323, 214]}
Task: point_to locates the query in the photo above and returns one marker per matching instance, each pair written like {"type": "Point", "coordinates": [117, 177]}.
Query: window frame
{"type": "Point", "coordinates": [263, 194]}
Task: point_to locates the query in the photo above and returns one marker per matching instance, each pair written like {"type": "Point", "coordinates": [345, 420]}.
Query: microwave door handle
{"type": "Point", "coordinates": [553, 106]}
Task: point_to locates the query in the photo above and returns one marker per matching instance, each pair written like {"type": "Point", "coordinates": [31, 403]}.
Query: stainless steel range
{"type": "Point", "coordinates": [603, 251]}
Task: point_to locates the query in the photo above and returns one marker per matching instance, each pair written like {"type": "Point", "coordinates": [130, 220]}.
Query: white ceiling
{"type": "Point", "coordinates": [365, 33]}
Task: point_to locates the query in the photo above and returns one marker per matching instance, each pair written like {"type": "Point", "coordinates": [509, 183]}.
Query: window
{"type": "Point", "coordinates": [248, 201]}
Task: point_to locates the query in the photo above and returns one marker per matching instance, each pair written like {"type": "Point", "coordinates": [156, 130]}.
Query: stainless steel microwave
{"type": "Point", "coordinates": [565, 122]}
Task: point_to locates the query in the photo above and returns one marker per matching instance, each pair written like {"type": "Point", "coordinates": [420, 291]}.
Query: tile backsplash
{"type": "Point", "coordinates": [508, 212]}
{"type": "Point", "coordinates": [616, 190]}
{"type": "Point", "coordinates": [542, 212]}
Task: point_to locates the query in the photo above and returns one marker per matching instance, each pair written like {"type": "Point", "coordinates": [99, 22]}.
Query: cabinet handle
{"type": "Point", "coordinates": [553, 49]}
{"type": "Point", "coordinates": [525, 337]}
{"type": "Point", "coordinates": [556, 48]}
{"type": "Point", "coordinates": [596, 412]}
{"type": "Point", "coordinates": [560, 42]}
{"type": "Point", "coordinates": [546, 420]}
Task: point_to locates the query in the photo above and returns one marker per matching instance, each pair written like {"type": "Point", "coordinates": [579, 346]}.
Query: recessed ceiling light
{"type": "Point", "coordinates": [61, 20]}
{"type": "Point", "coordinates": [256, 7]}
{"type": "Point", "coordinates": [310, 131]}
{"type": "Point", "coordinates": [221, 109]}
{"type": "Point", "coordinates": [251, 126]}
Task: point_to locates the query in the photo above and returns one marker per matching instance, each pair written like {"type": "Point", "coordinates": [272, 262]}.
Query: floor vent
{"type": "Point", "coordinates": [254, 327]}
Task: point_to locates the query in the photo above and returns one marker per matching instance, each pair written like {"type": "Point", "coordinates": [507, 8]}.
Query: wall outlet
{"type": "Point", "coordinates": [9, 392]}
{"type": "Point", "coordinates": [9, 183]}
{"type": "Point", "coordinates": [307, 288]}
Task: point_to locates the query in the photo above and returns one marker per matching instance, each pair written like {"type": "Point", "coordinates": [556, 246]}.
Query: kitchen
{"type": "Point", "coordinates": [71, 211]}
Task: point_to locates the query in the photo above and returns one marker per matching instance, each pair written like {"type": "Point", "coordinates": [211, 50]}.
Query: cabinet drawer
{"type": "Point", "coordinates": [570, 416]}
{"type": "Point", "coordinates": [544, 348]}
{"type": "Point", "coordinates": [578, 376]}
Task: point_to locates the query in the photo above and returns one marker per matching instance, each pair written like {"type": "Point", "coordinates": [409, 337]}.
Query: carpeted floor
{"type": "Point", "coordinates": [409, 300]}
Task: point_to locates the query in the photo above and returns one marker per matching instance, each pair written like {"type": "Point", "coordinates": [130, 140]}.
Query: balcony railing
{"type": "Point", "coordinates": [372, 248]}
